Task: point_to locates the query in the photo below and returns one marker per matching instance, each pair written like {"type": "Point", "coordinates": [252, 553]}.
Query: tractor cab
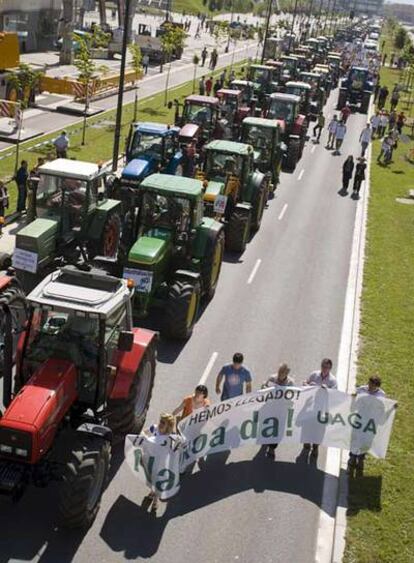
{"type": "Point", "coordinates": [273, 47]}
{"type": "Point", "coordinates": [284, 107]}
{"type": "Point", "coordinates": [304, 91]}
{"type": "Point", "coordinates": [151, 147]}
{"type": "Point", "coordinates": [326, 78]}
{"type": "Point", "coordinates": [262, 76]}
{"type": "Point", "coordinates": [232, 112]}
{"type": "Point", "coordinates": [290, 65]}
{"type": "Point", "coordinates": [314, 79]}
{"type": "Point", "coordinates": [72, 211]}
{"type": "Point", "coordinates": [202, 111]}
{"type": "Point", "coordinates": [265, 135]}
{"type": "Point", "coordinates": [279, 76]}
{"type": "Point", "coordinates": [82, 372]}
{"type": "Point", "coordinates": [356, 89]}
{"type": "Point", "coordinates": [247, 90]}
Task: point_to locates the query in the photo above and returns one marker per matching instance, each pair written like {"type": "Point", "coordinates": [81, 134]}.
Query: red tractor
{"type": "Point", "coordinates": [83, 373]}
{"type": "Point", "coordinates": [202, 111]}
{"type": "Point", "coordinates": [232, 112]}
{"type": "Point", "coordinates": [286, 108]}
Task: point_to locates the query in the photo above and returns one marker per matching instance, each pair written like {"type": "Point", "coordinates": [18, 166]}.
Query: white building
{"type": "Point", "coordinates": [35, 21]}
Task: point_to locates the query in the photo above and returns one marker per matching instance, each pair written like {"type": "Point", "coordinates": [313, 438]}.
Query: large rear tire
{"type": "Point", "coordinates": [181, 311]}
{"type": "Point", "coordinates": [292, 156]}
{"type": "Point", "coordinates": [14, 298]}
{"type": "Point", "coordinates": [259, 205]}
{"type": "Point", "coordinates": [238, 231]}
{"type": "Point", "coordinates": [211, 266]}
{"type": "Point", "coordinates": [84, 480]}
{"type": "Point", "coordinates": [108, 245]}
{"type": "Point", "coordinates": [127, 416]}
{"type": "Point", "coordinates": [366, 98]}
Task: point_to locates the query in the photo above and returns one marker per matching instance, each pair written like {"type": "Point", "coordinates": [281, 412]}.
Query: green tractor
{"type": "Point", "coordinates": [266, 137]}
{"type": "Point", "coordinates": [71, 217]}
{"type": "Point", "coordinates": [177, 254]}
{"type": "Point", "coordinates": [235, 190]}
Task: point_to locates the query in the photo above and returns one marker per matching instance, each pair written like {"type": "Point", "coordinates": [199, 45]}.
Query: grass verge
{"type": "Point", "coordinates": [380, 513]}
{"type": "Point", "coordinates": [99, 134]}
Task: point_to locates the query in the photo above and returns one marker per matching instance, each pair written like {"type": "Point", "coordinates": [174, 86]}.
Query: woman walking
{"type": "Point", "coordinates": [165, 427]}
{"type": "Point", "coordinates": [198, 400]}
{"type": "Point", "coordinates": [347, 171]}
{"type": "Point", "coordinates": [359, 176]}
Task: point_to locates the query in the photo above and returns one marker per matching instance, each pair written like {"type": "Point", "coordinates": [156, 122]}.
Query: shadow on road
{"type": "Point", "coordinates": [129, 530]}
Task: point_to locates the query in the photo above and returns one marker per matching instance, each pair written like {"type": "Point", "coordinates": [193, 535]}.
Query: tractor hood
{"type": "Point", "coordinates": [150, 249]}
{"type": "Point", "coordinates": [139, 168]}
{"type": "Point", "coordinates": [38, 237]}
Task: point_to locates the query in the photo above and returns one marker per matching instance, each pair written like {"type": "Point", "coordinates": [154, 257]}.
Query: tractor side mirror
{"type": "Point", "coordinates": [125, 341]}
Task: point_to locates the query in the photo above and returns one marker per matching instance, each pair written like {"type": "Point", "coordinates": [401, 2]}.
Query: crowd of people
{"type": "Point", "coordinates": [235, 379]}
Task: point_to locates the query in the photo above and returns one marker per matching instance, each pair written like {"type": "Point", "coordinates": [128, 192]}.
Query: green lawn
{"type": "Point", "coordinates": [381, 505]}
{"type": "Point", "coordinates": [99, 134]}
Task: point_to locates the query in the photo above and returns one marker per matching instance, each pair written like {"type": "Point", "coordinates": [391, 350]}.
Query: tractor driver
{"type": "Point", "coordinates": [74, 197]}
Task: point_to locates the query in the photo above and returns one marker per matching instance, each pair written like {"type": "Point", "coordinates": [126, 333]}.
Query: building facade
{"type": "Point", "coordinates": [35, 22]}
{"type": "Point", "coordinates": [363, 7]}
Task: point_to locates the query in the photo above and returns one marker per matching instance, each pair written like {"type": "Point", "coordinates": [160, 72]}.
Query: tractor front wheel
{"type": "Point", "coordinates": [181, 310]}
{"type": "Point", "coordinates": [127, 416]}
{"type": "Point", "coordinates": [259, 205]}
{"type": "Point", "coordinates": [84, 480]}
{"type": "Point", "coordinates": [238, 231]}
{"type": "Point", "coordinates": [108, 245]}
{"type": "Point", "coordinates": [211, 266]}
{"type": "Point", "coordinates": [292, 156]}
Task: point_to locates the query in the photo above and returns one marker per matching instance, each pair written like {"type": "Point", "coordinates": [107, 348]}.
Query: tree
{"type": "Point", "coordinates": [172, 41]}
{"type": "Point", "coordinates": [26, 81]}
{"type": "Point", "coordinates": [196, 60]}
{"type": "Point", "coordinates": [87, 72]}
{"type": "Point", "coordinates": [400, 38]}
{"type": "Point", "coordinates": [135, 51]}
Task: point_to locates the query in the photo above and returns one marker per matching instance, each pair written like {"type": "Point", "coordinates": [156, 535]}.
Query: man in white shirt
{"type": "Point", "coordinates": [373, 388]}
{"type": "Point", "coordinates": [375, 123]}
{"type": "Point", "coordinates": [365, 138]}
{"type": "Point", "coordinates": [61, 145]}
{"type": "Point", "coordinates": [145, 63]}
{"type": "Point", "coordinates": [339, 136]}
{"type": "Point", "coordinates": [321, 378]}
{"type": "Point", "coordinates": [333, 124]}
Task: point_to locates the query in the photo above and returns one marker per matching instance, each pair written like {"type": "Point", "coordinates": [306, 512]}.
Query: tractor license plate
{"type": "Point", "coordinates": [220, 204]}
{"type": "Point", "coordinates": [25, 260]}
{"type": "Point", "coordinates": [142, 279]}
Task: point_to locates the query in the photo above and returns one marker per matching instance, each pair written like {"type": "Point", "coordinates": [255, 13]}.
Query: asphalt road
{"type": "Point", "coordinates": [246, 508]}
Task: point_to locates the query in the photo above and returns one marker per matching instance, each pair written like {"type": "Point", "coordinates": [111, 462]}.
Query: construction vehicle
{"type": "Point", "coordinates": [234, 189]}
{"type": "Point", "coordinates": [83, 374]}
{"type": "Point", "coordinates": [286, 107]}
{"type": "Point", "coordinates": [9, 67]}
{"type": "Point", "coordinates": [72, 216]}
{"type": "Point", "coordinates": [304, 90]}
{"type": "Point", "coordinates": [356, 89]}
{"type": "Point", "coordinates": [232, 112]}
{"type": "Point", "coordinates": [176, 252]}
{"type": "Point", "coordinates": [13, 310]}
{"type": "Point", "coordinates": [265, 135]}
{"type": "Point", "coordinates": [202, 111]}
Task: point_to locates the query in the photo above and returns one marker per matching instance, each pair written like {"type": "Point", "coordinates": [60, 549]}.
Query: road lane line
{"type": "Point", "coordinates": [283, 212]}
{"type": "Point", "coordinates": [208, 369]}
{"type": "Point", "coordinates": [301, 174]}
{"type": "Point", "coordinates": [254, 271]}
{"type": "Point", "coordinates": [313, 148]}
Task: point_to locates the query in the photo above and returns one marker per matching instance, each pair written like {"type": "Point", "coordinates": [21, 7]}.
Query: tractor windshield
{"type": "Point", "coordinates": [60, 195]}
{"type": "Point", "coordinates": [228, 105]}
{"type": "Point", "coordinates": [146, 143]}
{"type": "Point", "coordinates": [357, 78]}
{"type": "Point", "coordinates": [260, 75]}
{"type": "Point", "coordinates": [62, 335]}
{"type": "Point", "coordinates": [220, 164]}
{"type": "Point", "coordinates": [281, 109]}
{"type": "Point", "coordinates": [198, 114]}
{"type": "Point", "coordinates": [169, 212]}
{"type": "Point", "coordinates": [259, 137]}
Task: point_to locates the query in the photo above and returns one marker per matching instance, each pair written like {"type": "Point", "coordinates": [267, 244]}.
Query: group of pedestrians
{"type": "Point", "coordinates": [235, 379]}
{"type": "Point", "coordinates": [210, 86]}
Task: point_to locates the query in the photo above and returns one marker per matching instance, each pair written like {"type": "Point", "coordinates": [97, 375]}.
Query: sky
{"type": "Point", "coordinates": [400, 2]}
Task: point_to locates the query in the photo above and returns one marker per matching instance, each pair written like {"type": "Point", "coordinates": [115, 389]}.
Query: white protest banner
{"type": "Point", "coordinates": [290, 414]}
{"type": "Point", "coordinates": [156, 461]}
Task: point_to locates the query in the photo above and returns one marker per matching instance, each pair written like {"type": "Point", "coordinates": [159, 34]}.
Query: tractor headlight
{"type": "Point", "coordinates": [5, 449]}
{"type": "Point", "coordinates": [21, 452]}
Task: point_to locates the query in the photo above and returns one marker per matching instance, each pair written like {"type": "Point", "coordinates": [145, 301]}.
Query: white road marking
{"type": "Point", "coordinates": [254, 271]}
{"type": "Point", "coordinates": [283, 212]}
{"type": "Point", "coordinates": [301, 174]}
{"type": "Point", "coordinates": [313, 148]}
{"type": "Point", "coordinates": [208, 369]}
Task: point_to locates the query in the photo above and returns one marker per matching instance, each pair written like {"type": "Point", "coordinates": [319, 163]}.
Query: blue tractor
{"type": "Point", "coordinates": [356, 89]}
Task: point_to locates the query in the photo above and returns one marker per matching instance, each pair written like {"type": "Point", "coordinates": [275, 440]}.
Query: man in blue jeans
{"type": "Point", "coordinates": [237, 379]}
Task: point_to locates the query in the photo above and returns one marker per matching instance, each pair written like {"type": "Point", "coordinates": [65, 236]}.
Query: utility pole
{"type": "Point", "coordinates": [118, 121]}
{"type": "Point", "coordinates": [326, 16]}
{"type": "Point", "coordinates": [332, 24]}
{"type": "Point", "coordinates": [230, 28]}
{"type": "Point", "coordinates": [308, 24]}
{"type": "Point", "coordinates": [266, 33]}
{"type": "Point", "coordinates": [319, 16]}
{"type": "Point", "coordinates": [293, 24]}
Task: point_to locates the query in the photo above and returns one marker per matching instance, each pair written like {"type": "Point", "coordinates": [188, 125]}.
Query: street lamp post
{"type": "Point", "coordinates": [266, 34]}
{"type": "Point", "coordinates": [118, 120]}
{"type": "Point", "coordinates": [308, 25]}
{"type": "Point", "coordinates": [293, 24]}
{"type": "Point", "coordinates": [230, 28]}
{"type": "Point", "coordinates": [326, 16]}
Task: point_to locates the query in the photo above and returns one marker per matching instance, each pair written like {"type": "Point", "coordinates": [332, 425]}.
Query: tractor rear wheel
{"type": "Point", "coordinates": [211, 266]}
{"type": "Point", "coordinates": [108, 245]}
{"type": "Point", "coordinates": [14, 298]}
{"type": "Point", "coordinates": [127, 416]}
{"type": "Point", "coordinates": [181, 310]}
{"type": "Point", "coordinates": [292, 156]}
{"type": "Point", "coordinates": [259, 205]}
{"type": "Point", "coordinates": [238, 231]}
{"type": "Point", "coordinates": [84, 480]}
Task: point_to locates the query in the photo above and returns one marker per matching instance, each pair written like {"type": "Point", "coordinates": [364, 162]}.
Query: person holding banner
{"type": "Point", "coordinates": [325, 379]}
{"type": "Point", "coordinates": [356, 460]}
{"type": "Point", "coordinates": [236, 377]}
{"type": "Point", "coordinates": [164, 428]}
{"type": "Point", "coordinates": [283, 380]}
{"type": "Point", "coordinates": [198, 400]}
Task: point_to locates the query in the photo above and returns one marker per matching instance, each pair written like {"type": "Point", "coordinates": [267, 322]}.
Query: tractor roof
{"type": "Point", "coordinates": [362, 68]}
{"type": "Point", "coordinates": [289, 58]}
{"type": "Point", "coordinates": [264, 122]}
{"type": "Point", "coordinates": [174, 185]}
{"type": "Point", "coordinates": [202, 100]}
{"type": "Point", "coordinates": [285, 97]}
{"type": "Point", "coordinates": [261, 67]}
{"type": "Point", "coordinates": [228, 92]}
{"type": "Point", "coordinates": [160, 129]}
{"type": "Point", "coordinates": [76, 290]}
{"type": "Point", "coordinates": [66, 167]}
{"type": "Point", "coordinates": [298, 84]}
{"type": "Point", "coordinates": [230, 147]}
{"type": "Point", "coordinates": [311, 74]}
